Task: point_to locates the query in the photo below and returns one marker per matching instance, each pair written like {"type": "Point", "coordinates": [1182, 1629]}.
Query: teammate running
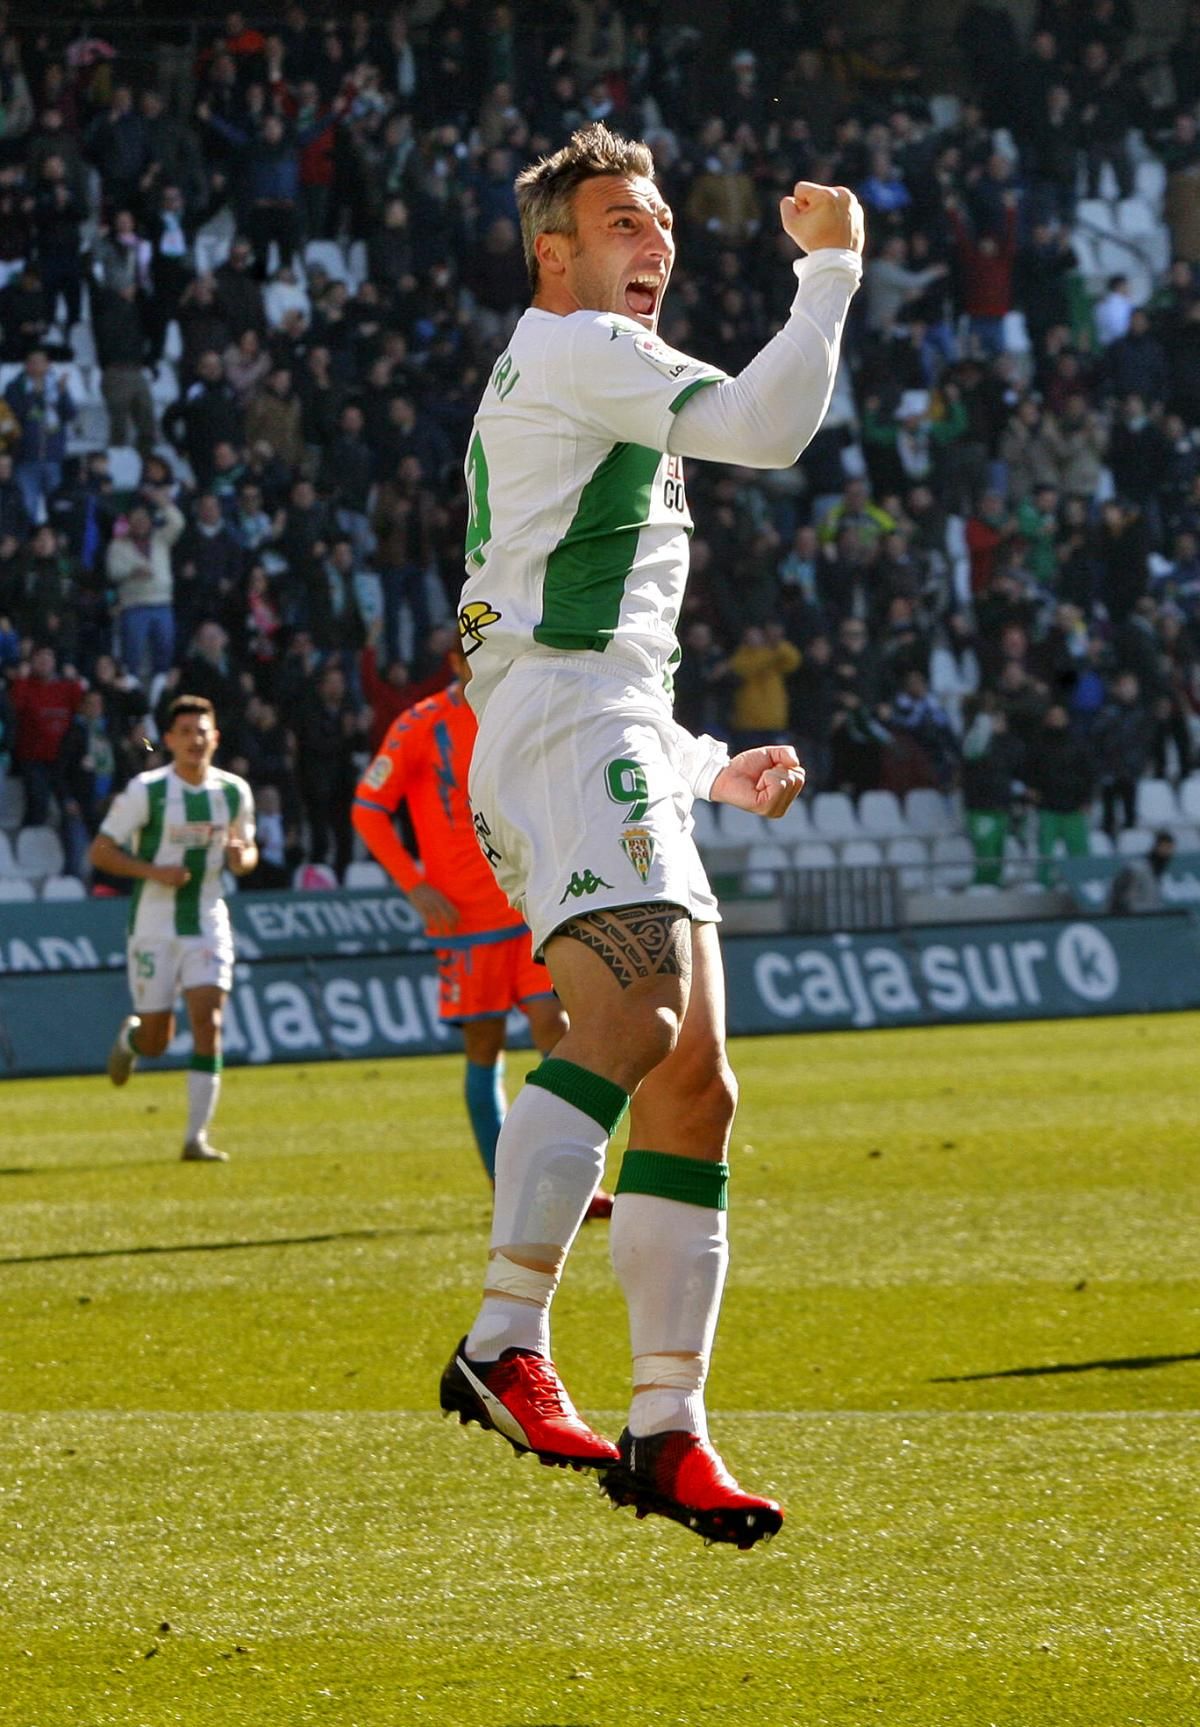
{"type": "Point", "coordinates": [582, 785]}
{"type": "Point", "coordinates": [172, 831]}
{"type": "Point", "coordinates": [485, 964]}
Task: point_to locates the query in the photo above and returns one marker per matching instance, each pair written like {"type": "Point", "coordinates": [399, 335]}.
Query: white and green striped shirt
{"type": "Point", "coordinates": [162, 819]}
{"type": "Point", "coordinates": [578, 537]}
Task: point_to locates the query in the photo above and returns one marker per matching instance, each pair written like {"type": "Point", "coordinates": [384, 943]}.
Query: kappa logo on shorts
{"type": "Point", "coordinates": [473, 620]}
{"type": "Point", "coordinates": [483, 834]}
{"type": "Point", "coordinates": [638, 845]}
{"type": "Point", "coordinates": [583, 882]}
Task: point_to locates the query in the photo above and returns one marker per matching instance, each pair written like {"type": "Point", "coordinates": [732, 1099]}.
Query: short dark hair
{"type": "Point", "coordinates": [546, 189]}
{"type": "Point", "coordinates": [190, 705]}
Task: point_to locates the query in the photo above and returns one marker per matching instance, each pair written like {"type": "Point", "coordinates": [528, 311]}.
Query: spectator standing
{"type": "Point", "coordinates": [139, 567]}
{"type": "Point", "coordinates": [992, 760]}
{"type": "Point", "coordinates": [1122, 739]}
{"type": "Point", "coordinates": [327, 735]}
{"type": "Point", "coordinates": [43, 703]}
{"type": "Point", "coordinates": [1061, 779]}
{"type": "Point", "coordinates": [761, 665]}
{"type": "Point", "coordinates": [209, 566]}
{"type": "Point", "coordinates": [207, 414]}
{"type": "Point", "coordinates": [121, 345]}
{"type": "Point", "coordinates": [58, 216]}
{"type": "Point", "coordinates": [42, 407]}
{"type": "Point", "coordinates": [986, 264]}
{"type": "Point", "coordinates": [86, 774]}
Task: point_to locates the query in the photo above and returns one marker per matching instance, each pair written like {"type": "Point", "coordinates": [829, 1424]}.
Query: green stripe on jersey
{"type": "Point", "coordinates": [196, 808]}
{"type": "Point", "coordinates": [587, 571]}
{"type": "Point", "coordinates": [150, 837]}
{"type": "Point", "coordinates": [689, 390]}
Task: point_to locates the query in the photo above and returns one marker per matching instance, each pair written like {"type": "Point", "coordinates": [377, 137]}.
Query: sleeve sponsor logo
{"type": "Point", "coordinates": [668, 361]}
{"type": "Point", "coordinates": [378, 773]}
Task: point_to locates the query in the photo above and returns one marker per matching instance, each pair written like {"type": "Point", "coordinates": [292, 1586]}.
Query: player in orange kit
{"type": "Point", "coordinates": [485, 961]}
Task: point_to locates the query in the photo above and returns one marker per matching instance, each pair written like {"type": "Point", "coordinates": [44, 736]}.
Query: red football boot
{"type": "Point", "coordinates": [522, 1398]}
{"type": "Point", "coordinates": [679, 1476]}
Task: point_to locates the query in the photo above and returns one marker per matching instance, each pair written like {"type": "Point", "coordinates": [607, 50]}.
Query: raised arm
{"type": "Point", "coordinates": [766, 416]}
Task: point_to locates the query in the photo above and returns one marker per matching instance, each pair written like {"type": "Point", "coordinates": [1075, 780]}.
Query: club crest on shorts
{"type": "Point", "coordinates": [638, 846]}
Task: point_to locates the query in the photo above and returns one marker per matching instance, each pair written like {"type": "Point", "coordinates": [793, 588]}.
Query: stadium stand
{"type": "Point", "coordinates": [267, 288]}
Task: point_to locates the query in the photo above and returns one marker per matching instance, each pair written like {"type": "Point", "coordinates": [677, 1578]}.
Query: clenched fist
{"type": "Point", "coordinates": [818, 217]}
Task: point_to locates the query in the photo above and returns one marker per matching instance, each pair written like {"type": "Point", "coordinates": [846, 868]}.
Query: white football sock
{"type": "Point", "coordinates": [549, 1160]}
{"type": "Point", "coordinates": [203, 1089]}
{"type": "Point", "coordinates": [670, 1258]}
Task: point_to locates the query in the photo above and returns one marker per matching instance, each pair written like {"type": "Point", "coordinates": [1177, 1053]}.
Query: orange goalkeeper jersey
{"type": "Point", "coordinates": [424, 761]}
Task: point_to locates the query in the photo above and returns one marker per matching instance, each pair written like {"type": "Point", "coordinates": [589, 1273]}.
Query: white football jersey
{"type": "Point", "coordinates": [162, 819]}
{"type": "Point", "coordinates": [578, 533]}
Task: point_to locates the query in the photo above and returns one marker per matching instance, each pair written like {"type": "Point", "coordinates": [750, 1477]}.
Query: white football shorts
{"type": "Point", "coordinates": [578, 797]}
{"type": "Point", "coordinates": [161, 971]}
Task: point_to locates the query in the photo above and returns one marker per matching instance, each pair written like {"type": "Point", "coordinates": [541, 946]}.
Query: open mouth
{"type": "Point", "coordinates": [641, 295]}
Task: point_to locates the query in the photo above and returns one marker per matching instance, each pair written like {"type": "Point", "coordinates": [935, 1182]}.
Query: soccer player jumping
{"type": "Point", "coordinates": [485, 964]}
{"type": "Point", "coordinates": [582, 786]}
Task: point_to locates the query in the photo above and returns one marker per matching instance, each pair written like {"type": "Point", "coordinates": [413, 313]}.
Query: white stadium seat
{"type": "Point", "coordinates": [860, 854]}
{"type": "Point", "coordinates": [1134, 842]}
{"type": "Point", "coordinates": [814, 854]}
{"type": "Point", "coordinates": [930, 812]}
{"type": "Point", "coordinates": [1150, 181]}
{"type": "Point", "coordinates": [1099, 844]}
{"type": "Point", "coordinates": [39, 852]}
{"type": "Point", "coordinates": [1156, 804]}
{"type": "Point", "coordinates": [744, 828]}
{"type": "Point", "coordinates": [880, 815]}
{"type": "Point", "coordinates": [327, 255]}
{"type": "Point", "coordinates": [1189, 798]}
{"type": "Point", "coordinates": [59, 887]}
{"type": "Point", "coordinates": [763, 867]}
{"type": "Point", "coordinates": [707, 826]}
{"type": "Point", "coordinates": [12, 803]}
{"type": "Point", "coordinates": [14, 888]}
{"type": "Point", "coordinates": [125, 466]}
{"type": "Point", "coordinates": [8, 864]}
{"type": "Point", "coordinates": [953, 860]}
{"type": "Point", "coordinates": [909, 855]}
{"type": "Point", "coordinates": [833, 816]}
{"type": "Point", "coordinates": [366, 873]}
{"type": "Point", "coordinates": [944, 110]}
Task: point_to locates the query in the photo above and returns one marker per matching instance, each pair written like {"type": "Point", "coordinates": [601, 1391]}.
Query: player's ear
{"type": "Point", "coordinates": [551, 251]}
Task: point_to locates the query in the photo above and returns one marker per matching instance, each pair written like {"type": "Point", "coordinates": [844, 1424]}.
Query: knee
{"type": "Point", "coordinates": [644, 1038]}
{"type": "Point", "coordinates": [152, 1040]}
{"type": "Point", "coordinates": [716, 1098]}
{"type": "Point", "coordinates": [656, 1035]}
{"type": "Point", "coordinates": [206, 1028]}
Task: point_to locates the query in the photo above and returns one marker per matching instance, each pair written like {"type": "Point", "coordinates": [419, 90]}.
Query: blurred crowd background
{"type": "Point", "coordinates": [254, 272]}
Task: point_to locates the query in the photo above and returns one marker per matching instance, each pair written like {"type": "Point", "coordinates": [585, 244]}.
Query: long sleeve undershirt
{"type": "Point", "coordinates": [766, 416]}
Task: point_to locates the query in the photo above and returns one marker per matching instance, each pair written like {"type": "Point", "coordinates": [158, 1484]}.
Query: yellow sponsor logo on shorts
{"type": "Point", "coordinates": [473, 620]}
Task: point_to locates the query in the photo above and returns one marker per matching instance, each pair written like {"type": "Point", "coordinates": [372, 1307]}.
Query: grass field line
{"type": "Point", "coordinates": [608, 1415]}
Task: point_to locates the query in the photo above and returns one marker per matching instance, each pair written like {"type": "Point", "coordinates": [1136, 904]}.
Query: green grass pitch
{"type": "Point", "coordinates": [961, 1341]}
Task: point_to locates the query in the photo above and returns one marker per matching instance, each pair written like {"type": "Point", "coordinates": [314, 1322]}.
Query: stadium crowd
{"type": "Point", "coordinates": [270, 263]}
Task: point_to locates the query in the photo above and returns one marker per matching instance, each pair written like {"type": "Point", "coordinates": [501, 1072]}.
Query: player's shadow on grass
{"type": "Point", "coordinates": [211, 1246]}
{"type": "Point", "coordinates": [1118, 1364]}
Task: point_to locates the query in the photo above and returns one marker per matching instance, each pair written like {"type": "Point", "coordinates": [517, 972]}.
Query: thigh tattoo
{"type": "Point", "coordinates": [637, 941]}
